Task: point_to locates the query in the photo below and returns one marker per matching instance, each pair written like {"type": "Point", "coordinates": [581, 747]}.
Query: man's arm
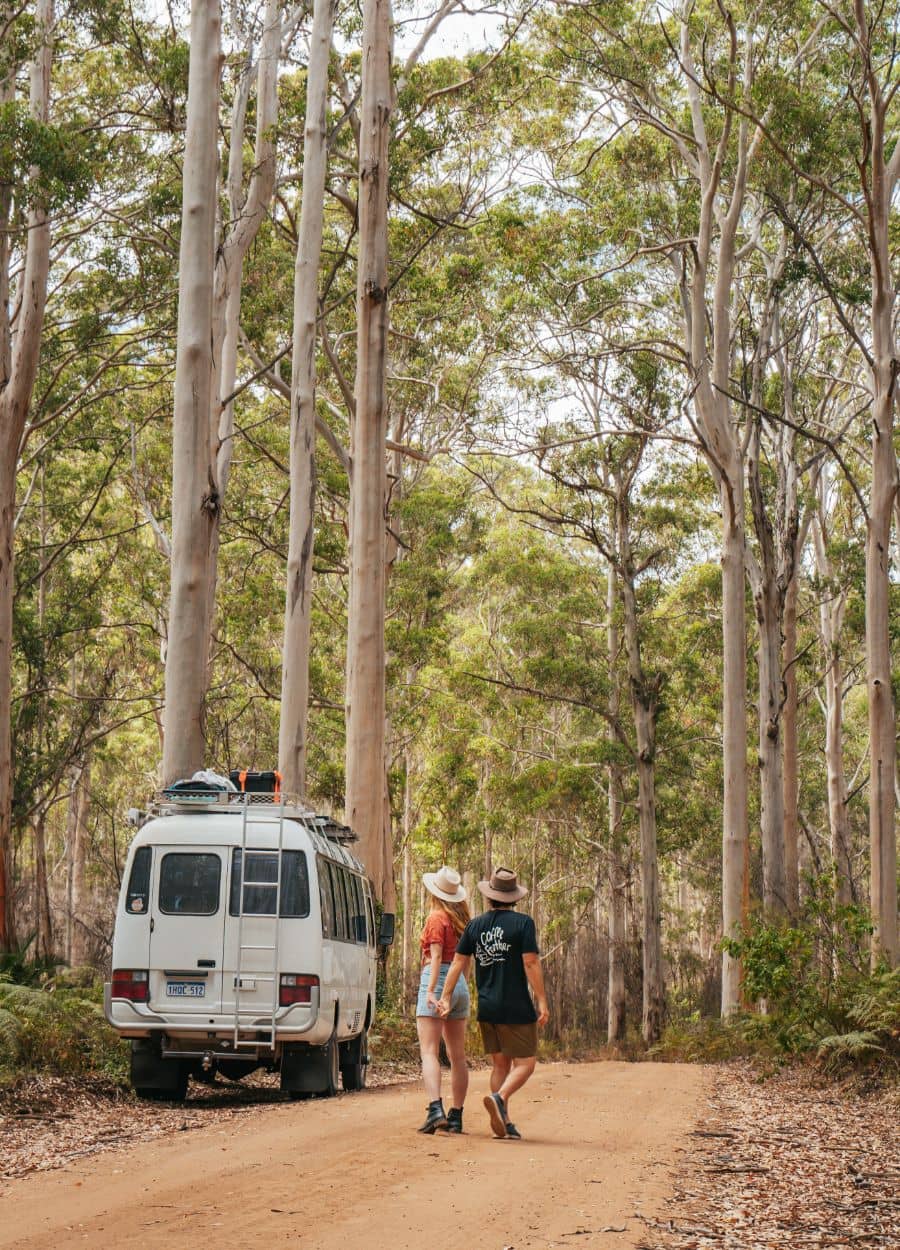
{"type": "Point", "coordinates": [535, 974]}
{"type": "Point", "coordinates": [458, 968]}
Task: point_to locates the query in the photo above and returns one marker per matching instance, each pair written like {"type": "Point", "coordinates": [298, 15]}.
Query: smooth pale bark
{"type": "Point", "coordinates": [76, 861]}
{"type": "Point", "coordinates": [716, 251]}
{"type": "Point", "coordinates": [736, 827]}
{"type": "Point", "coordinates": [832, 606]}
{"type": "Point", "coordinates": [770, 574]}
{"type": "Point", "coordinates": [616, 1002]}
{"type": "Point", "coordinates": [645, 688]}
{"type": "Point", "coordinates": [771, 570]}
{"type": "Point", "coordinates": [365, 692]}
{"type": "Point", "coordinates": [406, 953]}
{"type": "Point", "coordinates": [791, 754]}
{"type": "Point", "coordinates": [488, 861]}
{"type": "Point", "coordinates": [768, 620]}
{"type": "Point", "coordinates": [195, 495]}
{"type": "Point", "coordinates": [292, 744]}
{"type": "Point", "coordinates": [43, 919]}
{"type": "Point", "coordinates": [19, 355]}
{"type": "Point", "coordinates": [247, 213]}
{"type": "Point", "coordinates": [882, 179]}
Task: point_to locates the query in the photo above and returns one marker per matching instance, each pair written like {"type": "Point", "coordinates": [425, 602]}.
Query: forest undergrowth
{"type": "Point", "coordinates": [51, 1023]}
{"type": "Point", "coordinates": [787, 1161]}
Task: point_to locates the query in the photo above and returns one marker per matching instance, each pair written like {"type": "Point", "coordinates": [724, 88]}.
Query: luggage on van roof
{"type": "Point", "coordinates": [199, 795]}
{"type": "Point", "coordinates": [256, 783]}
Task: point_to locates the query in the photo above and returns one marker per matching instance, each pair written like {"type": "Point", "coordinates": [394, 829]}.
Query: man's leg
{"type": "Point", "coordinates": [499, 1071]}
{"type": "Point", "coordinates": [518, 1046]}
{"type": "Point", "coordinates": [518, 1073]}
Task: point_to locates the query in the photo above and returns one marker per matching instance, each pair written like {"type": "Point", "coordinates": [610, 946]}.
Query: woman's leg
{"type": "Point", "coordinates": [429, 1031]}
{"type": "Point", "coordinates": [455, 1041]}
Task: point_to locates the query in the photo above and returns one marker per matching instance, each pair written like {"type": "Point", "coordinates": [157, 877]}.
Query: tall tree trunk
{"type": "Point", "coordinates": [616, 1000]}
{"type": "Point", "coordinates": [19, 354]}
{"type": "Point", "coordinates": [768, 620]}
{"type": "Point", "coordinates": [776, 524]}
{"type": "Point", "coordinates": [365, 696]}
{"type": "Point", "coordinates": [879, 178]}
{"type": "Point", "coordinates": [791, 756]}
{"type": "Point", "coordinates": [406, 957]}
{"type": "Point", "coordinates": [247, 213]}
{"type": "Point", "coordinates": [43, 918]}
{"type": "Point", "coordinates": [735, 820]}
{"type": "Point", "coordinates": [195, 494]}
{"type": "Point", "coordinates": [882, 719]}
{"type": "Point", "coordinates": [710, 364]}
{"type": "Point", "coordinates": [832, 605]}
{"type": "Point", "coordinates": [292, 745]}
{"type": "Point", "coordinates": [644, 701]}
{"type": "Point", "coordinates": [76, 856]}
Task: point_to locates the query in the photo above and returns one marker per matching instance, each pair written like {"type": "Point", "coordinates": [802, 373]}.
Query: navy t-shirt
{"type": "Point", "coordinates": [498, 940]}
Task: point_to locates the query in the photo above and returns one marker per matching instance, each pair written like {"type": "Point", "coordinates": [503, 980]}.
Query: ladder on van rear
{"type": "Point", "coordinates": [250, 1032]}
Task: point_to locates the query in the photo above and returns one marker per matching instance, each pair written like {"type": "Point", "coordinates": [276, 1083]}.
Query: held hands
{"type": "Point", "coordinates": [431, 1000]}
{"type": "Point", "coordinates": [442, 1007]}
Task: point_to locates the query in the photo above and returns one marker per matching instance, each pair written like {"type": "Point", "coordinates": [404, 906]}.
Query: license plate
{"type": "Point", "coordinates": [185, 989]}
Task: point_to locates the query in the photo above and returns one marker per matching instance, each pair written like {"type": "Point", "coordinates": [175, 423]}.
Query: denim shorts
{"type": "Point", "coordinates": [459, 1003]}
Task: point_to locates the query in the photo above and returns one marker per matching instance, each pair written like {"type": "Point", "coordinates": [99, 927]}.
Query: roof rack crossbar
{"type": "Point", "coordinates": [170, 799]}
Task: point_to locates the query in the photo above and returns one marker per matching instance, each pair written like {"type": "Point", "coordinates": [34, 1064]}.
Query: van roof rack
{"type": "Point", "coordinates": [202, 799]}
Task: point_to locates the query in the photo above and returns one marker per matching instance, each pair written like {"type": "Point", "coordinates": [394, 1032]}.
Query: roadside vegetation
{"type": "Point", "coordinates": [630, 476]}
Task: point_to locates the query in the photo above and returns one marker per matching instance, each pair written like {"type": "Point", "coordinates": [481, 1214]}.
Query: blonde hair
{"type": "Point", "coordinates": [458, 913]}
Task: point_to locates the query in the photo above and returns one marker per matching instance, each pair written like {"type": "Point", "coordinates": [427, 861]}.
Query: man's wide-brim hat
{"type": "Point", "coordinates": [447, 884]}
{"type": "Point", "coordinates": [503, 887]}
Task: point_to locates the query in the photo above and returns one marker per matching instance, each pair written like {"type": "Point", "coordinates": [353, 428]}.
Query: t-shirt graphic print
{"type": "Point", "coordinates": [498, 940]}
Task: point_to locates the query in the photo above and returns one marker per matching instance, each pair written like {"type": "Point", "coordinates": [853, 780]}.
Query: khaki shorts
{"type": "Point", "coordinates": [515, 1041]}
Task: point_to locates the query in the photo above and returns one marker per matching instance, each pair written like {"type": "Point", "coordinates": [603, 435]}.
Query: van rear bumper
{"type": "Point", "coordinates": [138, 1020]}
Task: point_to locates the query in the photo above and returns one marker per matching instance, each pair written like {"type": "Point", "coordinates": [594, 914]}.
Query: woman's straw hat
{"type": "Point", "coordinates": [447, 884]}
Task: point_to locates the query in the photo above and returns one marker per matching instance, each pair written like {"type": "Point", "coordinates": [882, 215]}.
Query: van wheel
{"type": "Point", "coordinates": [333, 1069]}
{"type": "Point", "coordinates": [175, 1089]}
{"type": "Point", "coordinates": [355, 1062]}
{"type": "Point", "coordinates": [156, 1079]}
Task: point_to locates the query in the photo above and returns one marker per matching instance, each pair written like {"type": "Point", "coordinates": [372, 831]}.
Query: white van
{"type": "Point", "coordinates": [245, 937]}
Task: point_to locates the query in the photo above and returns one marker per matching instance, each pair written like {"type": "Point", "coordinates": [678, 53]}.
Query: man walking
{"type": "Point", "coordinates": [504, 945]}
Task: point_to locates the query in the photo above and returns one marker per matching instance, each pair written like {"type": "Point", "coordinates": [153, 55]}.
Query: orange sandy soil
{"type": "Point", "coordinates": [602, 1143]}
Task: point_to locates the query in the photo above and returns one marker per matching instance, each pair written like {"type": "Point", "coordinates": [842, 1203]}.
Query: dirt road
{"type": "Point", "coordinates": [350, 1172]}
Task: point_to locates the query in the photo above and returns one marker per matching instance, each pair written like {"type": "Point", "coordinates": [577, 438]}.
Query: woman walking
{"type": "Point", "coordinates": [448, 917]}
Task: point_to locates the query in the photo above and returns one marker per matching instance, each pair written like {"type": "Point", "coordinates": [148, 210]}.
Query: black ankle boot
{"type": "Point", "coordinates": [454, 1120]}
{"type": "Point", "coordinates": [434, 1117]}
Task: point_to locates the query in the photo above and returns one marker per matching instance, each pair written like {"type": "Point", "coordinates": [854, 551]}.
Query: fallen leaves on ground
{"type": "Point", "coordinates": [47, 1121]}
{"type": "Point", "coordinates": [786, 1163]}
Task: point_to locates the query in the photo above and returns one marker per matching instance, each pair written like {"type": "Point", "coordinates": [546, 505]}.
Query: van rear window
{"type": "Point", "coordinates": [262, 884]}
{"type": "Point", "coordinates": [189, 884]}
{"type": "Point", "coordinates": [138, 895]}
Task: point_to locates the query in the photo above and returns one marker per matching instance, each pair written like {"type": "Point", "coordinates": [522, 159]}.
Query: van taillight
{"type": "Point", "coordinates": [296, 987]}
{"type": "Point", "coordinates": [131, 984]}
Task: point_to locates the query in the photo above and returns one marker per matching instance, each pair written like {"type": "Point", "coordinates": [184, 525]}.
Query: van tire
{"type": "Point", "coordinates": [333, 1067]}
{"type": "Point", "coordinates": [355, 1062]}
{"type": "Point", "coordinates": [309, 1070]}
{"type": "Point", "coordinates": [156, 1079]}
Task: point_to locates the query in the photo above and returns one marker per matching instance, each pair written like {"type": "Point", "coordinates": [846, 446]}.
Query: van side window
{"type": "Point", "coordinates": [138, 895]}
{"type": "Point", "coordinates": [262, 884]}
{"type": "Point", "coordinates": [326, 897]}
{"type": "Point", "coordinates": [189, 884]}
{"type": "Point", "coordinates": [359, 912]}
{"type": "Point", "coordinates": [340, 903]}
{"type": "Point", "coordinates": [370, 912]}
